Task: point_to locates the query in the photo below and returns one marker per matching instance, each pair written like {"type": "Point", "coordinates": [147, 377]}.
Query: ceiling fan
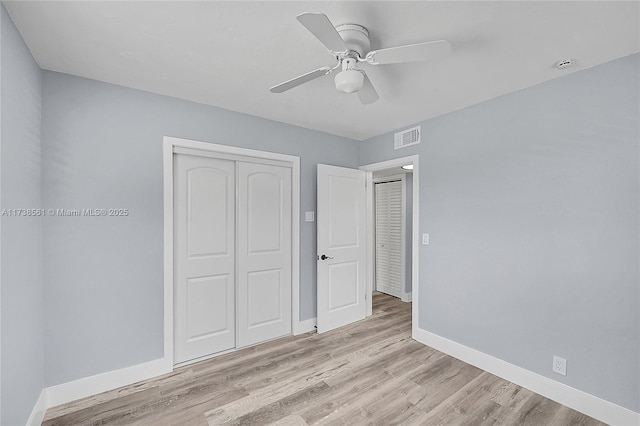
{"type": "Point", "coordinates": [349, 44]}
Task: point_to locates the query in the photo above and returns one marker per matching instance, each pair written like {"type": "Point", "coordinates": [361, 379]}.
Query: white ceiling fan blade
{"type": "Point", "coordinates": [321, 27]}
{"type": "Point", "coordinates": [290, 84]}
{"type": "Point", "coordinates": [410, 53]}
{"type": "Point", "coordinates": [367, 94]}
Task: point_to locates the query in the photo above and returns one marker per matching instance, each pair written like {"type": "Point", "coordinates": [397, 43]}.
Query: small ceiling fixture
{"type": "Point", "coordinates": [564, 63]}
{"type": "Point", "coordinates": [408, 167]}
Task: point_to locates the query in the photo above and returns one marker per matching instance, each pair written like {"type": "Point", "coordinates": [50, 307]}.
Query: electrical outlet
{"type": "Point", "coordinates": [559, 365]}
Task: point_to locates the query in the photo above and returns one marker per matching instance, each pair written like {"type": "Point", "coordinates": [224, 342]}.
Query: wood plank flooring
{"type": "Point", "coordinates": [368, 373]}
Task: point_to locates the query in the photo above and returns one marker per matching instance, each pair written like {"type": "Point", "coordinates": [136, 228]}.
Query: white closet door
{"type": "Point", "coordinates": [264, 252]}
{"type": "Point", "coordinates": [389, 238]}
{"type": "Point", "coordinates": [204, 282]}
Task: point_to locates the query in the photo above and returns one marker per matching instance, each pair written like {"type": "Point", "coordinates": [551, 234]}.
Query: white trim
{"type": "Point", "coordinates": [167, 173]}
{"type": "Point", "coordinates": [390, 178]}
{"type": "Point", "coordinates": [169, 144]}
{"type": "Point", "coordinates": [415, 231]}
{"type": "Point", "coordinates": [306, 326]}
{"type": "Point", "coordinates": [207, 357]}
{"type": "Point", "coordinates": [406, 297]}
{"type": "Point", "coordinates": [581, 401]}
{"type": "Point", "coordinates": [92, 385]}
{"type": "Point", "coordinates": [403, 297]}
{"type": "Point", "coordinates": [370, 242]}
{"type": "Point", "coordinates": [415, 258]}
{"type": "Point", "coordinates": [295, 246]}
{"type": "Point", "coordinates": [227, 149]}
{"type": "Point", "coordinates": [230, 157]}
{"type": "Point", "coordinates": [39, 410]}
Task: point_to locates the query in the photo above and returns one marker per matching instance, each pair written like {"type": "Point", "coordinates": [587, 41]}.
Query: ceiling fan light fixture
{"type": "Point", "coordinates": [349, 81]}
{"type": "Point", "coordinates": [350, 44]}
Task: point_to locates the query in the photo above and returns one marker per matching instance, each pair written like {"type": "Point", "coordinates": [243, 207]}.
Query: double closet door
{"type": "Point", "coordinates": [232, 282]}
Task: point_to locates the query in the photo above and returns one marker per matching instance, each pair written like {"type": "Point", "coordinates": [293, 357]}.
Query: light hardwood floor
{"type": "Point", "coordinates": [370, 372]}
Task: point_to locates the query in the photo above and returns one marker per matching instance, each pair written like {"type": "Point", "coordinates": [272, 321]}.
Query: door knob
{"type": "Point", "coordinates": [325, 257]}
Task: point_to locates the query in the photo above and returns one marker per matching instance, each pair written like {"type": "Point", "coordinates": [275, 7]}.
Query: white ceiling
{"type": "Point", "coordinates": [229, 54]}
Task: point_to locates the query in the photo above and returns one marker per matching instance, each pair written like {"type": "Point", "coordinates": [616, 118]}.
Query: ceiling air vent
{"type": "Point", "coordinates": [406, 138]}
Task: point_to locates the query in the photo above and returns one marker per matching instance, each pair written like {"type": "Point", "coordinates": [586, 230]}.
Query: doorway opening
{"type": "Point", "coordinates": [392, 224]}
{"type": "Point", "coordinates": [378, 171]}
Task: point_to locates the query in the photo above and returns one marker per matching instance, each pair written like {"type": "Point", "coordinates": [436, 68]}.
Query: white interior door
{"type": "Point", "coordinates": [389, 238]}
{"type": "Point", "coordinates": [264, 252]}
{"type": "Point", "coordinates": [204, 282]}
{"type": "Point", "coordinates": [341, 241]}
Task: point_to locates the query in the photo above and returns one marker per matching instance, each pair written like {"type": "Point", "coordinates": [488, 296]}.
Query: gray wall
{"type": "Point", "coordinates": [20, 237]}
{"type": "Point", "coordinates": [532, 204]}
{"type": "Point", "coordinates": [102, 148]}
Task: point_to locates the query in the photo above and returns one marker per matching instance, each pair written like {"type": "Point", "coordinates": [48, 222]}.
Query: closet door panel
{"type": "Point", "coordinates": [204, 281]}
{"type": "Point", "coordinates": [264, 252]}
{"type": "Point", "coordinates": [389, 238]}
{"type": "Point", "coordinates": [396, 238]}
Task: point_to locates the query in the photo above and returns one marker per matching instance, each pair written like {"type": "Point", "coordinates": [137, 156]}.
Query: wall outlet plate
{"type": "Point", "coordinates": [559, 365]}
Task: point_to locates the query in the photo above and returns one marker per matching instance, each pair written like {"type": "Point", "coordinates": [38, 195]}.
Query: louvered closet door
{"type": "Point", "coordinates": [389, 238]}
{"type": "Point", "coordinates": [204, 282]}
{"type": "Point", "coordinates": [264, 252]}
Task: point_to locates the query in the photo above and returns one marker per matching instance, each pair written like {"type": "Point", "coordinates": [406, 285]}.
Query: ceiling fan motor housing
{"type": "Point", "coordinates": [356, 37]}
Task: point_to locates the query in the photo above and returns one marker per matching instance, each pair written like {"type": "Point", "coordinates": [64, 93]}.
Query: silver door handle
{"type": "Point", "coordinates": [325, 257]}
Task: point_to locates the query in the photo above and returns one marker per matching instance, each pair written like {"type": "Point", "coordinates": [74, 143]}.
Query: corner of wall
{"type": "Point", "coordinates": [21, 304]}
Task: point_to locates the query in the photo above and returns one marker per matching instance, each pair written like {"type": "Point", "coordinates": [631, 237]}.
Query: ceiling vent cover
{"type": "Point", "coordinates": [406, 138]}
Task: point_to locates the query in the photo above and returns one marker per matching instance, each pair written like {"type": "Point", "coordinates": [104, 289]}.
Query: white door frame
{"type": "Point", "coordinates": [415, 232]}
{"type": "Point", "coordinates": [168, 146]}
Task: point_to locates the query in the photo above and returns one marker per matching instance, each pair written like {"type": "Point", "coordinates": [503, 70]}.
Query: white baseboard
{"type": "Point", "coordinates": [88, 386]}
{"type": "Point", "coordinates": [406, 297]}
{"type": "Point", "coordinates": [39, 410]}
{"type": "Point", "coordinates": [92, 385]}
{"type": "Point", "coordinates": [306, 326]}
{"type": "Point", "coordinates": [583, 402]}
